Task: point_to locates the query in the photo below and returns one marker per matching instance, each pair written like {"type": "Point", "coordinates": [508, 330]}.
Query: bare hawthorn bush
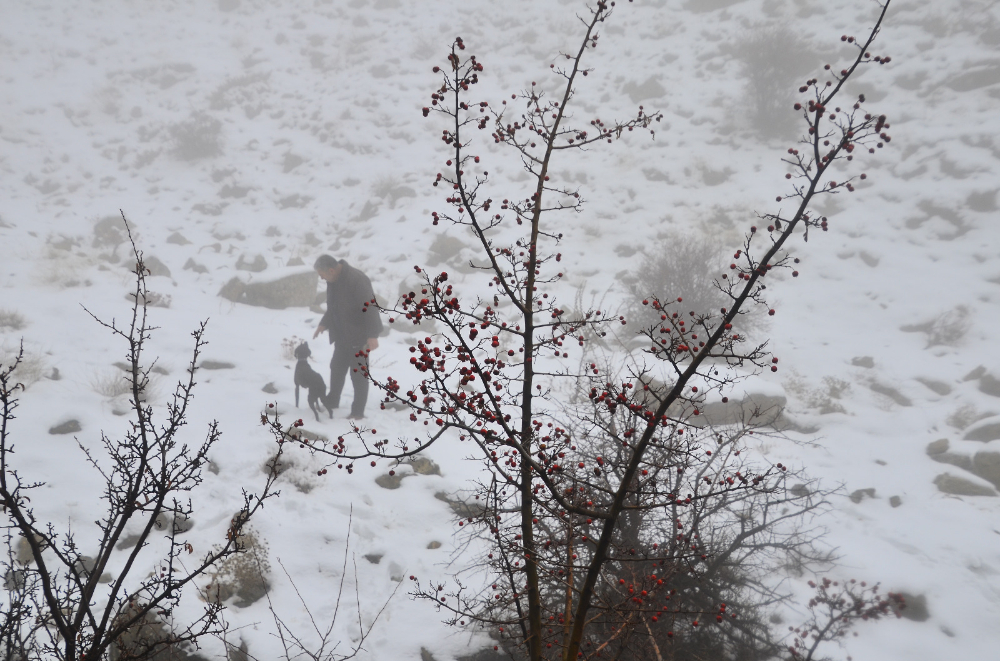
{"type": "Point", "coordinates": [60, 601]}
{"type": "Point", "coordinates": [683, 264]}
{"type": "Point", "coordinates": [612, 519]}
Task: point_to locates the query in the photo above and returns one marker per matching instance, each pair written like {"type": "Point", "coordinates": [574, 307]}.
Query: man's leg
{"type": "Point", "coordinates": [339, 364]}
{"type": "Point", "coordinates": [359, 379]}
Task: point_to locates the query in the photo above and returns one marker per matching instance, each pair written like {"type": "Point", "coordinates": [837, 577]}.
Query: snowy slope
{"type": "Point", "coordinates": [237, 128]}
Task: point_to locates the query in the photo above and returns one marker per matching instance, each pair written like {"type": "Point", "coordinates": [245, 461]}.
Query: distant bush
{"type": "Point", "coordinates": [773, 59]}
{"type": "Point", "coordinates": [946, 329]}
{"type": "Point", "coordinates": [31, 368]}
{"type": "Point", "coordinates": [198, 137]}
{"type": "Point", "coordinates": [680, 265]}
{"type": "Point", "coordinates": [10, 320]}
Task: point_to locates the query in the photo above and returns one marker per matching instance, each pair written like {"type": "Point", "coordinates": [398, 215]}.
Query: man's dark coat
{"type": "Point", "coordinates": [351, 316]}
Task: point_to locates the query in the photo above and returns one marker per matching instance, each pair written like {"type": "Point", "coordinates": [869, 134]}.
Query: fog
{"type": "Point", "coordinates": [244, 138]}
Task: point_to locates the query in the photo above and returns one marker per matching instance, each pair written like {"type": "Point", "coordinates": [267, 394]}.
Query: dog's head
{"type": "Point", "coordinates": [302, 351]}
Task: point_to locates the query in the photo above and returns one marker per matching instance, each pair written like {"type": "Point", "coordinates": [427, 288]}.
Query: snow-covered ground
{"type": "Point", "coordinates": [235, 128]}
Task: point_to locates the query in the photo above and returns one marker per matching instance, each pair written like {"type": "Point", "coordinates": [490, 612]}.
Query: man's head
{"type": "Point", "coordinates": [328, 267]}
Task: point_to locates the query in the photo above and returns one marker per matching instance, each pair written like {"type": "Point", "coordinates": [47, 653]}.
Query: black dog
{"type": "Point", "coordinates": [307, 378]}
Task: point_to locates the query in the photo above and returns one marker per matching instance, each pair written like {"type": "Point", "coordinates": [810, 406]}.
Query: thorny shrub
{"type": "Point", "coordinates": [599, 516]}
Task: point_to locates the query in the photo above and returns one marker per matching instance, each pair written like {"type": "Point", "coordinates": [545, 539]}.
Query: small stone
{"type": "Point", "coordinates": [127, 542]}
{"type": "Point", "coordinates": [68, 427]}
{"type": "Point", "coordinates": [863, 361]}
{"type": "Point", "coordinates": [269, 388]}
{"type": "Point", "coordinates": [860, 494]}
{"type": "Point", "coordinates": [178, 239]}
{"type": "Point", "coordinates": [390, 481]}
{"type": "Point", "coordinates": [434, 545]}
{"type": "Point", "coordinates": [895, 501]}
{"type": "Point", "coordinates": [374, 558]}
{"type": "Point", "coordinates": [915, 607]}
{"type": "Point", "coordinates": [424, 466]}
{"type": "Point", "coordinates": [891, 393]}
{"type": "Point", "coordinates": [799, 490]}
{"type": "Point", "coordinates": [191, 265]}
{"type": "Point", "coordinates": [155, 266]}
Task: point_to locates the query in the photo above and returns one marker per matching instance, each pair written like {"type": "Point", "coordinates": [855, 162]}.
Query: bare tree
{"type": "Point", "coordinates": [612, 505]}
{"type": "Point", "coordinates": [59, 602]}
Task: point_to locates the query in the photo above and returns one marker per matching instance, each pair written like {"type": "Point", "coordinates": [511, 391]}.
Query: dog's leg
{"type": "Point", "coordinates": [296, 395]}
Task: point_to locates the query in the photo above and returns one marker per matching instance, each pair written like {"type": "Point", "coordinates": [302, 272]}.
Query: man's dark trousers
{"type": "Point", "coordinates": [353, 360]}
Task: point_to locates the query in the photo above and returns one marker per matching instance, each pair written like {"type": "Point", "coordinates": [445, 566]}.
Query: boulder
{"type": "Point", "coordinates": [939, 446]}
{"type": "Point", "coordinates": [938, 451]}
{"type": "Point", "coordinates": [148, 632]}
{"type": "Point", "coordinates": [444, 249]}
{"type": "Point", "coordinates": [256, 265]}
{"type": "Point", "coordinates": [109, 232]}
{"type": "Point", "coordinates": [986, 464]}
{"type": "Point", "coordinates": [959, 486]}
{"type": "Point", "coordinates": [988, 430]}
{"type": "Point", "coordinates": [758, 409]}
{"type": "Point", "coordinates": [295, 287]}
{"type": "Point", "coordinates": [989, 384]}
{"type": "Point", "coordinates": [216, 365]}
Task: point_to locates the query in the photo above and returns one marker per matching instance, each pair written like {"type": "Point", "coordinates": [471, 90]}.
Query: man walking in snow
{"type": "Point", "coordinates": [353, 323]}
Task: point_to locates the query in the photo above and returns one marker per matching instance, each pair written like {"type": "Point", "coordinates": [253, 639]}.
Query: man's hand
{"type": "Point", "coordinates": [319, 329]}
{"type": "Point", "coordinates": [371, 344]}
